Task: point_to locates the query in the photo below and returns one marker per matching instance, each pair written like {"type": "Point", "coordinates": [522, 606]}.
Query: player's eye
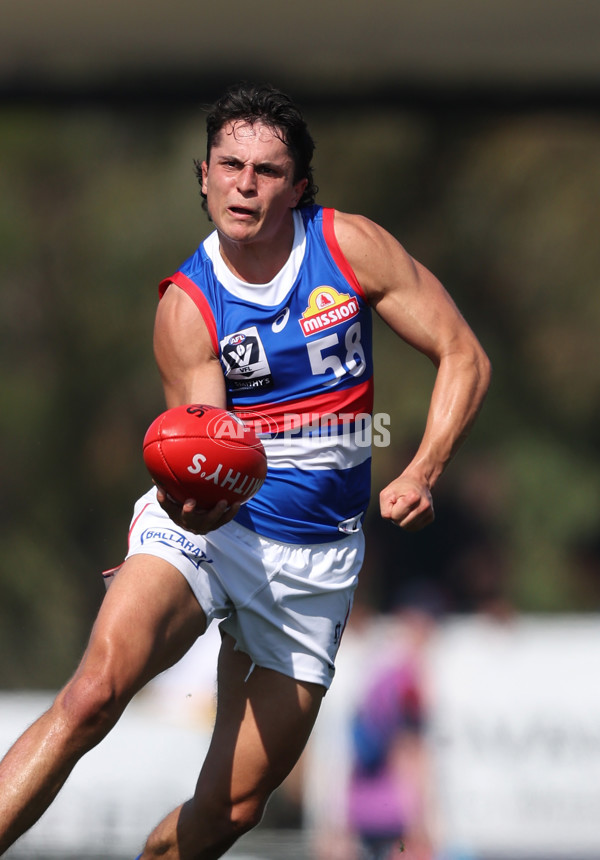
{"type": "Point", "coordinates": [230, 164]}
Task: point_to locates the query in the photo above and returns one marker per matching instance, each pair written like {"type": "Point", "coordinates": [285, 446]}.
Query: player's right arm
{"type": "Point", "coordinates": [189, 369]}
{"type": "Point", "coordinates": [190, 373]}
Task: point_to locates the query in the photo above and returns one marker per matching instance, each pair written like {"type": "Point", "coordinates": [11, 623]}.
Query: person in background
{"type": "Point", "coordinates": [390, 781]}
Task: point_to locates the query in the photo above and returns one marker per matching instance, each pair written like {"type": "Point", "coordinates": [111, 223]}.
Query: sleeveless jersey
{"type": "Point", "coordinates": [296, 354]}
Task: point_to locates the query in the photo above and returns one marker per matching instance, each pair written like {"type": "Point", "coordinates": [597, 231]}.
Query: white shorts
{"type": "Point", "coordinates": [286, 605]}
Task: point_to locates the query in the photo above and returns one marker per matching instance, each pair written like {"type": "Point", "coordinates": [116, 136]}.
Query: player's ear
{"type": "Point", "coordinates": [204, 166]}
{"type": "Point", "coordinates": [299, 188]}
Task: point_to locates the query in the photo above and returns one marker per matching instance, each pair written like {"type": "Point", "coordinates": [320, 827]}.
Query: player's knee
{"type": "Point", "coordinates": [205, 827]}
{"type": "Point", "coordinates": [90, 704]}
{"type": "Point", "coordinates": [246, 814]}
{"type": "Point", "coordinates": [223, 822]}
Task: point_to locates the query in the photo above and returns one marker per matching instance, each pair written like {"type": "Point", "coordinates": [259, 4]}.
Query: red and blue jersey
{"type": "Point", "coordinates": [297, 359]}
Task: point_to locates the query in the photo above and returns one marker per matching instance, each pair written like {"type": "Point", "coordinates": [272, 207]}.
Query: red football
{"type": "Point", "coordinates": [204, 453]}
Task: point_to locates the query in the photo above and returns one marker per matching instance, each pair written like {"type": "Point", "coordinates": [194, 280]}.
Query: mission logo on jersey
{"type": "Point", "coordinates": [327, 308]}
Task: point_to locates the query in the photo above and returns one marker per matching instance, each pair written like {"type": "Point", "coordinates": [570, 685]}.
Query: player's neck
{"type": "Point", "coordinates": [257, 262]}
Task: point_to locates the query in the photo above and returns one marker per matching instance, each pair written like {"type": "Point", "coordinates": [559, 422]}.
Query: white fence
{"type": "Point", "coordinates": [513, 741]}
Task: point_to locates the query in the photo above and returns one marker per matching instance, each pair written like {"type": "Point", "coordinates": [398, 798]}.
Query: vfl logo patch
{"type": "Point", "coordinates": [327, 308]}
{"type": "Point", "coordinates": [245, 360]}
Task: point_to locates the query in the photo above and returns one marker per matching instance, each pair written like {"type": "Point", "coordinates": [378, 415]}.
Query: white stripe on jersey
{"type": "Point", "coordinates": [344, 450]}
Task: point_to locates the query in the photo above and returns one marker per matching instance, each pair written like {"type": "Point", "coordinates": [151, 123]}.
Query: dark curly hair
{"type": "Point", "coordinates": [264, 103]}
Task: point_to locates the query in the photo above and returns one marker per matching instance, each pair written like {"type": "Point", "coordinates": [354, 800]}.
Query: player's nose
{"type": "Point", "coordinates": [247, 178]}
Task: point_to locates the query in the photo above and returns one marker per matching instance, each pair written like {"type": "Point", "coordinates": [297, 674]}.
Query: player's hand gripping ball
{"type": "Point", "coordinates": [204, 453]}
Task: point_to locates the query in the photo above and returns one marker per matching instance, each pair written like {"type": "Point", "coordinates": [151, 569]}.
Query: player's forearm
{"type": "Point", "coordinates": [461, 384]}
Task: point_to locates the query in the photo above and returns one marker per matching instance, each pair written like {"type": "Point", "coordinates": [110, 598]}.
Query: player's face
{"type": "Point", "coordinates": [249, 183]}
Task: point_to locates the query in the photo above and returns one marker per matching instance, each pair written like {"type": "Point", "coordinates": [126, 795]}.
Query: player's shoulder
{"type": "Point", "coordinates": [180, 320]}
{"type": "Point", "coordinates": [354, 224]}
{"type": "Point", "coordinates": [372, 251]}
{"type": "Point", "coordinates": [359, 234]}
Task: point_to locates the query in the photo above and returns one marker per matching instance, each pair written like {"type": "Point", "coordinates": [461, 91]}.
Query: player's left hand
{"type": "Point", "coordinates": [407, 502]}
{"type": "Point", "coordinates": [194, 519]}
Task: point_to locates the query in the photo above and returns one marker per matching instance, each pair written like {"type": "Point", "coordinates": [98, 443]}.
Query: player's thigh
{"type": "Point", "coordinates": [148, 620]}
{"type": "Point", "coordinates": [264, 719]}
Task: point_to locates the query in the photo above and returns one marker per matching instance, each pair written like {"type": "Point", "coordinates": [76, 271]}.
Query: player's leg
{"type": "Point", "coordinates": [147, 621]}
{"type": "Point", "coordinates": [262, 725]}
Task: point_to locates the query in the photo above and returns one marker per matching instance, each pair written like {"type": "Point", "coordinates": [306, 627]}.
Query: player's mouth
{"type": "Point", "coordinates": [241, 212]}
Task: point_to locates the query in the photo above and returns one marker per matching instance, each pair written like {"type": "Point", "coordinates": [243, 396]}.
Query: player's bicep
{"type": "Point", "coordinates": [189, 369]}
{"type": "Point", "coordinates": [406, 295]}
{"type": "Point", "coordinates": [419, 309]}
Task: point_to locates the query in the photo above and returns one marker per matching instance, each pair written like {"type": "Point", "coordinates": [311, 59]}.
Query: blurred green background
{"type": "Point", "coordinates": [471, 134]}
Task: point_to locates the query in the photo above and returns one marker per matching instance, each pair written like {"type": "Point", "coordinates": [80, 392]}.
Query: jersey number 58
{"type": "Point", "coordinates": [351, 360]}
